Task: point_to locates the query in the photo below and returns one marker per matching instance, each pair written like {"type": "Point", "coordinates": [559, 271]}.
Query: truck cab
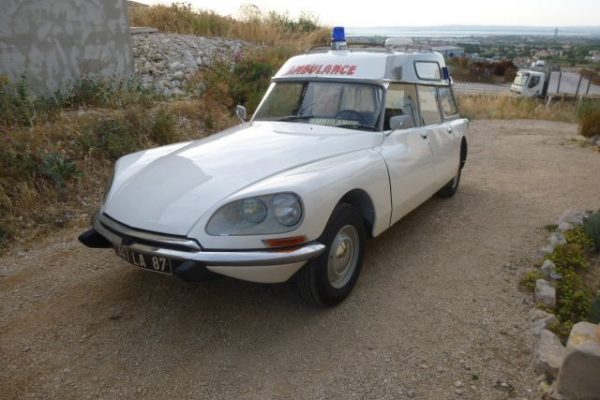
{"type": "Point", "coordinates": [530, 83]}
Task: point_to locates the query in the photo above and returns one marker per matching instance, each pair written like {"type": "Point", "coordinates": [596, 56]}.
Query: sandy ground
{"type": "Point", "coordinates": [436, 314]}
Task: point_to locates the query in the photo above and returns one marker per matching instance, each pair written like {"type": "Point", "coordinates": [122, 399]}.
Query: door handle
{"type": "Point", "coordinates": [423, 135]}
{"type": "Point", "coordinates": [449, 129]}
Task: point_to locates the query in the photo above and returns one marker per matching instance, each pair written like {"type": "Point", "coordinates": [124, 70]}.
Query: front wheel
{"type": "Point", "coordinates": [329, 278]}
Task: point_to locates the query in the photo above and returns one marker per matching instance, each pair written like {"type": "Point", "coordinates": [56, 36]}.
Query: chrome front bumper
{"type": "Point", "coordinates": [189, 250]}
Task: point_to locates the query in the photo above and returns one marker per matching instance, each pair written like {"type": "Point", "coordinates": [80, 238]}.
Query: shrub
{"type": "Point", "coordinates": [592, 228]}
{"type": "Point", "coordinates": [589, 124]}
{"type": "Point", "coordinates": [589, 118]}
{"type": "Point", "coordinates": [58, 168]}
{"type": "Point", "coordinates": [528, 281]}
{"type": "Point", "coordinates": [163, 129]}
{"type": "Point", "coordinates": [578, 236]}
{"type": "Point", "coordinates": [246, 81]}
{"type": "Point", "coordinates": [113, 137]}
{"type": "Point", "coordinates": [569, 257]}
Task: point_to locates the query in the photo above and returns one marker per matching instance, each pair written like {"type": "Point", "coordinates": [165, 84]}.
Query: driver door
{"type": "Point", "coordinates": [407, 152]}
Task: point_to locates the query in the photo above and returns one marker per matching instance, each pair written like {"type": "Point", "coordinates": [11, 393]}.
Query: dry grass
{"type": "Point", "coordinates": [270, 29]}
{"type": "Point", "coordinates": [33, 203]}
{"type": "Point", "coordinates": [509, 107]}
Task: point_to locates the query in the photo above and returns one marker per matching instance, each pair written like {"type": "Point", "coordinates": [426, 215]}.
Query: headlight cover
{"type": "Point", "coordinates": [269, 214]}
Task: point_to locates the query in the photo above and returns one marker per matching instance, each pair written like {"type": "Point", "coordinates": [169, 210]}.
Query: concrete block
{"type": "Point", "coordinates": [579, 377]}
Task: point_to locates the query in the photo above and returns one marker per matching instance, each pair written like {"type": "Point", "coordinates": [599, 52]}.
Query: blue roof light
{"type": "Point", "coordinates": [338, 34]}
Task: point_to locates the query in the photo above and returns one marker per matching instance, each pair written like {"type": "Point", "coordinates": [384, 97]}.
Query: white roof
{"type": "Point", "coordinates": [367, 65]}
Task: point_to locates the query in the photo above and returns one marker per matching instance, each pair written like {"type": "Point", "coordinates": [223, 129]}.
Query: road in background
{"type": "Point", "coordinates": [568, 85]}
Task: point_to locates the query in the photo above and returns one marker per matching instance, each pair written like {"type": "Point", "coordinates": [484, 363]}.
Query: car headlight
{"type": "Point", "coordinates": [276, 213]}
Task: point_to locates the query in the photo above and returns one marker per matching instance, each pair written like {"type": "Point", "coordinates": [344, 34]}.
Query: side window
{"type": "Point", "coordinates": [400, 100]}
{"type": "Point", "coordinates": [447, 102]}
{"type": "Point", "coordinates": [430, 113]}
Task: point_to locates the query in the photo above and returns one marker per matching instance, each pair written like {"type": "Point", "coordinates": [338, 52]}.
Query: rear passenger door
{"type": "Point", "coordinates": [440, 134]}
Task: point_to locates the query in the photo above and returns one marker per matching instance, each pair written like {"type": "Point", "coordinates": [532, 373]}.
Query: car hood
{"type": "Point", "coordinates": [169, 188]}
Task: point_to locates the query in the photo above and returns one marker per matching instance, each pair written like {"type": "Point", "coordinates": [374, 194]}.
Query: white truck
{"type": "Point", "coordinates": [532, 82]}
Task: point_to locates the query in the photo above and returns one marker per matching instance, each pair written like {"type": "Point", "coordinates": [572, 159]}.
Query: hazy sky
{"type": "Point", "coordinates": [429, 12]}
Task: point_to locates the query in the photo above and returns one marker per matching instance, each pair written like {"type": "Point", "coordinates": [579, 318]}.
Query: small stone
{"type": "Point", "coordinates": [557, 238]}
{"type": "Point", "coordinates": [548, 267]}
{"type": "Point", "coordinates": [411, 393]}
{"type": "Point", "coordinates": [565, 226]}
{"type": "Point", "coordinates": [176, 66]}
{"type": "Point", "coordinates": [458, 384]}
{"type": "Point", "coordinates": [573, 217]}
{"type": "Point", "coordinates": [178, 75]}
{"type": "Point", "coordinates": [549, 355]}
{"type": "Point", "coordinates": [547, 250]}
{"type": "Point", "coordinates": [542, 321]}
{"type": "Point", "coordinates": [545, 293]}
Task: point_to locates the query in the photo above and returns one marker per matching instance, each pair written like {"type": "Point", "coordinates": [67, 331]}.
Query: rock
{"type": "Point", "coordinates": [545, 293]}
{"type": "Point", "coordinates": [595, 140]}
{"type": "Point", "coordinates": [176, 66]}
{"type": "Point", "coordinates": [572, 217]}
{"type": "Point", "coordinates": [549, 355]}
{"type": "Point", "coordinates": [579, 376]}
{"type": "Point", "coordinates": [557, 238]}
{"type": "Point", "coordinates": [458, 384]}
{"type": "Point", "coordinates": [548, 268]}
{"type": "Point", "coordinates": [178, 75]}
{"type": "Point", "coordinates": [565, 226]}
{"type": "Point", "coordinates": [541, 320]}
{"type": "Point", "coordinates": [547, 250]}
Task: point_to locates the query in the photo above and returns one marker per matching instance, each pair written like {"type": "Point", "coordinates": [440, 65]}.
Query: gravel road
{"type": "Point", "coordinates": [436, 314]}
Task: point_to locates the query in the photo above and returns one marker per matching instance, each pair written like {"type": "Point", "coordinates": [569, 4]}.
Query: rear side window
{"type": "Point", "coordinates": [430, 113]}
{"type": "Point", "coordinates": [447, 102]}
{"type": "Point", "coordinates": [428, 70]}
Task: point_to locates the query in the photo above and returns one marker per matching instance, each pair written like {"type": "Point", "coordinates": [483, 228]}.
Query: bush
{"type": "Point", "coordinates": [589, 118]}
{"type": "Point", "coordinates": [589, 124]}
{"type": "Point", "coordinates": [163, 129]}
{"type": "Point", "coordinates": [57, 168]}
{"type": "Point", "coordinates": [246, 81]}
{"type": "Point", "coordinates": [578, 236]}
{"type": "Point", "coordinates": [112, 137]}
{"type": "Point", "coordinates": [19, 107]}
{"type": "Point", "coordinates": [569, 257]}
{"type": "Point", "coordinates": [592, 228]}
{"type": "Point", "coordinates": [528, 281]}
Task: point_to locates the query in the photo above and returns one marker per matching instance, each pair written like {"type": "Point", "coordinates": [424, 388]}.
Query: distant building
{"type": "Point", "coordinates": [450, 51]}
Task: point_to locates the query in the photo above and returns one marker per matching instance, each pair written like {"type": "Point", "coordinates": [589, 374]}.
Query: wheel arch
{"type": "Point", "coordinates": [463, 151]}
{"type": "Point", "coordinates": [362, 201]}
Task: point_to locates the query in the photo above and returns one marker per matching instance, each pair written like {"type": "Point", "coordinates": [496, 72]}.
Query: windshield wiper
{"type": "Point", "coordinates": [295, 117]}
{"type": "Point", "coordinates": [357, 126]}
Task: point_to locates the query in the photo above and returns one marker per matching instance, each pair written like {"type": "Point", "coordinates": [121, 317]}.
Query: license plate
{"type": "Point", "coordinates": [146, 261]}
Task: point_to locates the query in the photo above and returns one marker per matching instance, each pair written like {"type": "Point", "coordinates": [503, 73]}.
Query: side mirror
{"type": "Point", "coordinates": [241, 112]}
{"type": "Point", "coordinates": [401, 122]}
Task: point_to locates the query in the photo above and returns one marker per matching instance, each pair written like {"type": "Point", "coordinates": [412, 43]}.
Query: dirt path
{"type": "Point", "coordinates": [436, 313]}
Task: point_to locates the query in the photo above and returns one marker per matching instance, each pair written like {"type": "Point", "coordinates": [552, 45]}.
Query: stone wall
{"type": "Point", "coordinates": [53, 42]}
{"type": "Point", "coordinates": [167, 61]}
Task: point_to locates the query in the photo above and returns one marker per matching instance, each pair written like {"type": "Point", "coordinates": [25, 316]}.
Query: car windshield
{"type": "Point", "coordinates": [346, 105]}
{"type": "Point", "coordinates": [521, 78]}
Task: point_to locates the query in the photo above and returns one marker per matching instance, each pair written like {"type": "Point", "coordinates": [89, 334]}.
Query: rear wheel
{"type": "Point", "coordinates": [329, 278]}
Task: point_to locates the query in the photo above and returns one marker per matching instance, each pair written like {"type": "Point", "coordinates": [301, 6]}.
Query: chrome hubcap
{"type": "Point", "coordinates": [343, 256]}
